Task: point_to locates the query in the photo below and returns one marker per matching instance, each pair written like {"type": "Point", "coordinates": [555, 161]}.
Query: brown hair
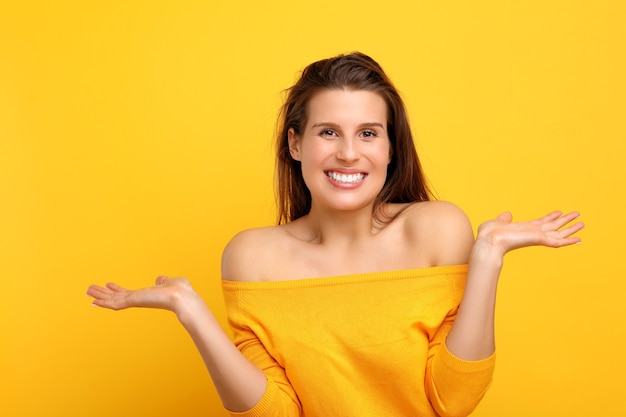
{"type": "Point", "coordinates": [405, 181]}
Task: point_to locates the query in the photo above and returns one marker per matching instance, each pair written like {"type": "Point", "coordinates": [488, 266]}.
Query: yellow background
{"type": "Point", "coordinates": [135, 140]}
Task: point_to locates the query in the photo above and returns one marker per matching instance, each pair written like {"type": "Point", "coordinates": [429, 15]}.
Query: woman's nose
{"type": "Point", "coordinates": [348, 150]}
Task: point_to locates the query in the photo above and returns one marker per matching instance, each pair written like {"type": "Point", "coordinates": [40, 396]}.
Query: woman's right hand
{"type": "Point", "coordinates": [167, 294]}
{"type": "Point", "coordinates": [240, 383]}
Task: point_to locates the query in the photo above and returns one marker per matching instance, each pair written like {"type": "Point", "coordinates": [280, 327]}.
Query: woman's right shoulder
{"type": "Point", "coordinates": [249, 253]}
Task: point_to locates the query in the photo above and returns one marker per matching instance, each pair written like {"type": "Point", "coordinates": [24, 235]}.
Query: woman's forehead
{"type": "Point", "coordinates": [347, 106]}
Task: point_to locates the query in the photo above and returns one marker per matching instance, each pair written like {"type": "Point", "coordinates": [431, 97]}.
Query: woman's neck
{"type": "Point", "coordinates": [334, 227]}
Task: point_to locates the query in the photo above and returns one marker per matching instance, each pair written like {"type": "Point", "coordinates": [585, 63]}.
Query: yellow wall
{"type": "Point", "coordinates": [135, 140]}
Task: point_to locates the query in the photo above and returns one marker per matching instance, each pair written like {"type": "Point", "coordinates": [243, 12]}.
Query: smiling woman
{"type": "Point", "coordinates": [359, 74]}
{"type": "Point", "coordinates": [367, 298]}
{"type": "Point", "coordinates": [344, 149]}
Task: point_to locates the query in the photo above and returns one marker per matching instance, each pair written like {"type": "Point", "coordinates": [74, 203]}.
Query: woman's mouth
{"type": "Point", "coordinates": [345, 178]}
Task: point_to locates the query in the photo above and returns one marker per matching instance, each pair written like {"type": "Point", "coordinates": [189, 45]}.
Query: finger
{"type": "Point", "coordinates": [560, 242]}
{"type": "Point", "coordinates": [92, 289]}
{"type": "Point", "coordinates": [161, 280]}
{"type": "Point", "coordinates": [563, 220]}
{"type": "Point", "coordinates": [570, 216]}
{"type": "Point", "coordinates": [98, 292]}
{"type": "Point", "coordinates": [505, 217]}
{"type": "Point", "coordinates": [570, 230]}
{"type": "Point", "coordinates": [114, 287]}
{"type": "Point", "coordinates": [99, 303]}
{"type": "Point", "coordinates": [111, 304]}
{"type": "Point", "coordinates": [549, 217]}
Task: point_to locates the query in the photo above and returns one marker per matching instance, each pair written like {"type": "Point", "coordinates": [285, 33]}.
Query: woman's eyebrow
{"type": "Point", "coordinates": [325, 124]}
{"type": "Point", "coordinates": [372, 124]}
{"type": "Point", "coordinates": [336, 125]}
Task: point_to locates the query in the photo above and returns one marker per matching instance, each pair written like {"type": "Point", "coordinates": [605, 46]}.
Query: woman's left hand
{"type": "Point", "coordinates": [553, 230]}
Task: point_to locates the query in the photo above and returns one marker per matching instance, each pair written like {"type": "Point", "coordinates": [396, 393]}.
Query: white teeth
{"type": "Point", "coordinates": [346, 178]}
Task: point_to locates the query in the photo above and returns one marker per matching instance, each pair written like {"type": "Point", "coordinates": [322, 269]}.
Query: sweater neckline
{"type": "Point", "coordinates": [422, 272]}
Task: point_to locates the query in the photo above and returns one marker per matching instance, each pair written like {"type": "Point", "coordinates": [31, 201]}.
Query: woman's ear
{"type": "Point", "coordinates": [294, 144]}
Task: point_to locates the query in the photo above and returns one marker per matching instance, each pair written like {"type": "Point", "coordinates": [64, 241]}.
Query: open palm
{"type": "Point", "coordinates": [553, 230]}
{"type": "Point", "coordinates": [166, 294]}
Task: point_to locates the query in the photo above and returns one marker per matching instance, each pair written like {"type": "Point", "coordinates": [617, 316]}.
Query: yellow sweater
{"type": "Point", "coordinates": [363, 345]}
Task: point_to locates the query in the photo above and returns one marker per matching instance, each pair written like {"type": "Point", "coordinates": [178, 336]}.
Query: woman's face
{"type": "Point", "coordinates": [344, 149]}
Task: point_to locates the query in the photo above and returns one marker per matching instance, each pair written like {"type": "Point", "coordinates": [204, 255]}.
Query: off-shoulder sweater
{"type": "Point", "coordinates": [363, 345]}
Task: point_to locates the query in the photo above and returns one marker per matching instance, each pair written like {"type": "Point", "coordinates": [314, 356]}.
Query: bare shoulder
{"type": "Point", "coordinates": [248, 252]}
{"type": "Point", "coordinates": [444, 228]}
{"type": "Point", "coordinates": [437, 211]}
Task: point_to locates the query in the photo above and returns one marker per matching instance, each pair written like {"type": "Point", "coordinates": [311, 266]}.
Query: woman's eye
{"type": "Point", "coordinates": [369, 134]}
{"type": "Point", "coordinates": [328, 132]}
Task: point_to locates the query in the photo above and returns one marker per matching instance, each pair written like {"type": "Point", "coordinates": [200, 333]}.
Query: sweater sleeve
{"type": "Point", "coordinates": [280, 398]}
{"type": "Point", "coordinates": [455, 386]}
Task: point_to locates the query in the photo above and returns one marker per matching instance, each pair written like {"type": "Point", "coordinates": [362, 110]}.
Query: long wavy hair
{"type": "Point", "coordinates": [405, 181]}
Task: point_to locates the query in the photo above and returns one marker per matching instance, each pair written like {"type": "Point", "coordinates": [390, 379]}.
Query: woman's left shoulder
{"type": "Point", "coordinates": [437, 213]}
{"type": "Point", "coordinates": [444, 226]}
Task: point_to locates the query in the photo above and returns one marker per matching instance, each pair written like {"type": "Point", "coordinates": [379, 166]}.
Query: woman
{"type": "Point", "coordinates": [367, 298]}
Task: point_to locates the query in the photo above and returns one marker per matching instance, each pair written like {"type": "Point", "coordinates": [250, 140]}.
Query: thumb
{"type": "Point", "coordinates": [505, 217]}
{"type": "Point", "coordinates": [161, 280]}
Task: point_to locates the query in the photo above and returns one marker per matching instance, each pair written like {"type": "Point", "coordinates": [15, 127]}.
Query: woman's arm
{"type": "Point", "coordinates": [239, 383]}
{"type": "Point", "coordinates": [472, 334]}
